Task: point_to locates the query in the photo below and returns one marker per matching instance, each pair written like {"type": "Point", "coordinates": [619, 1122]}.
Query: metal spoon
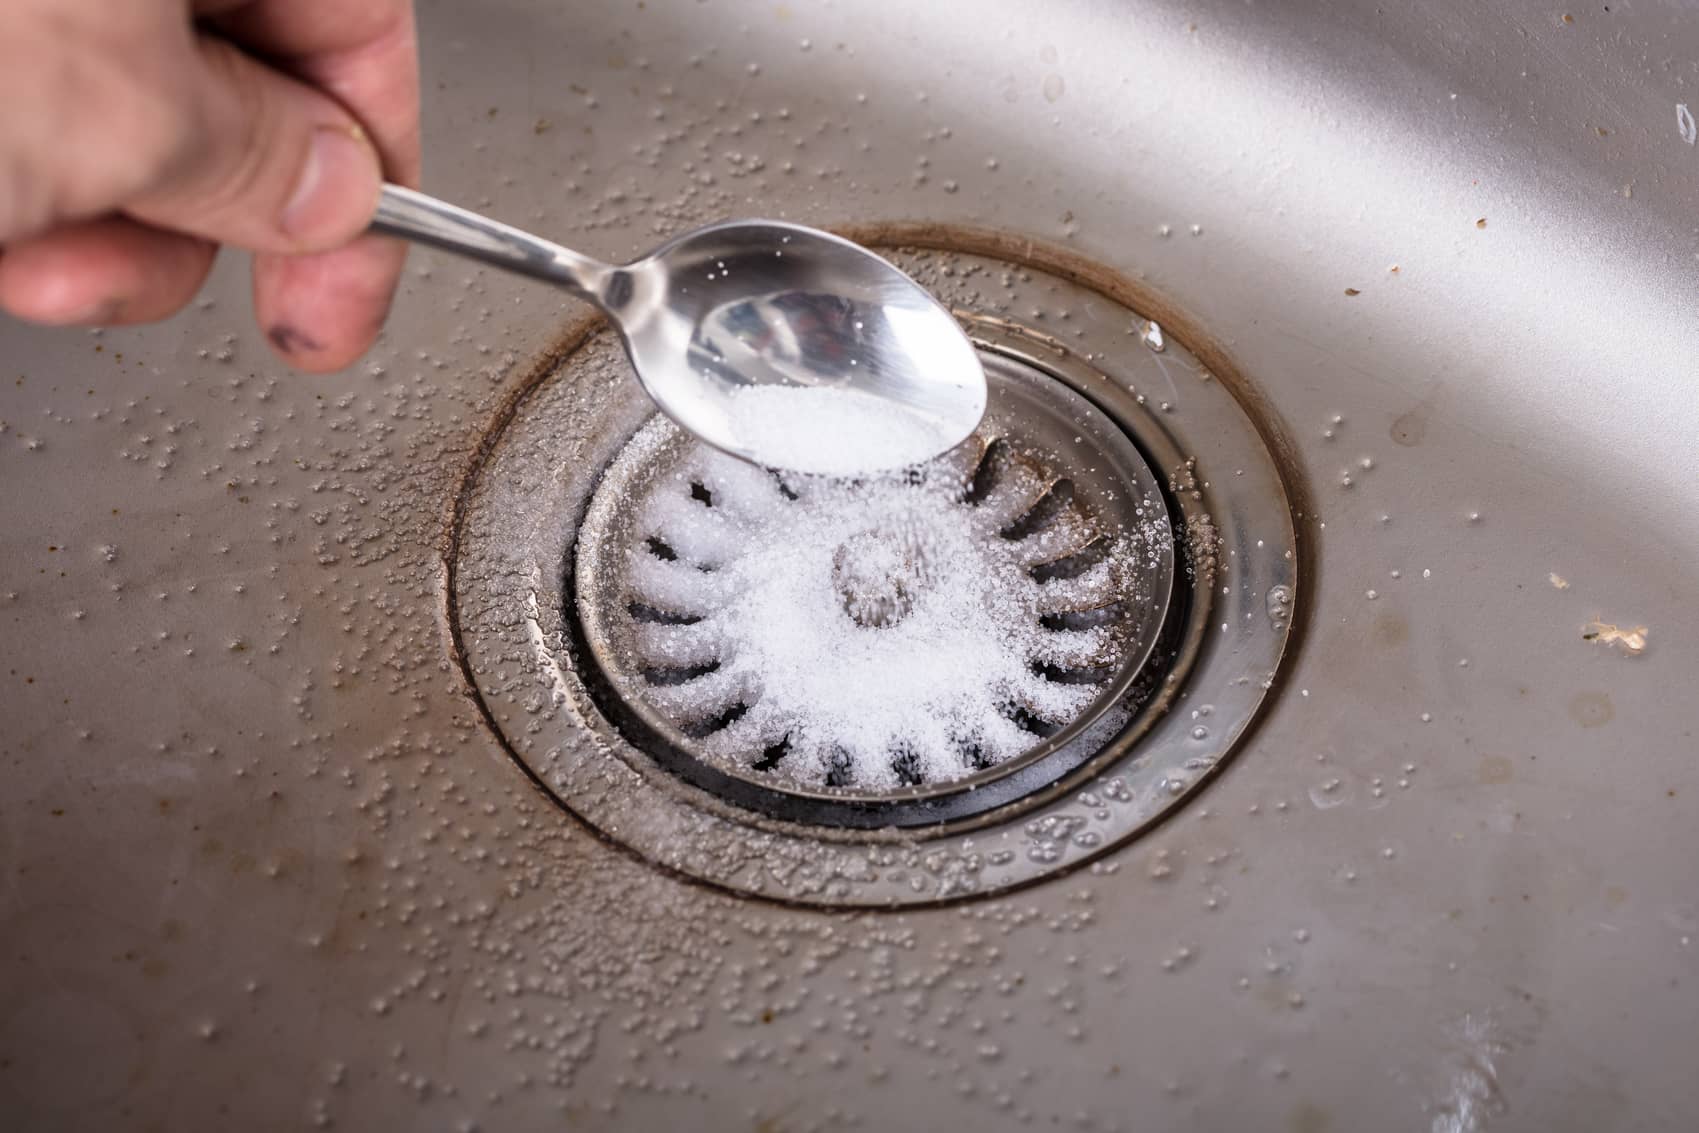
{"type": "Point", "coordinates": [886, 376]}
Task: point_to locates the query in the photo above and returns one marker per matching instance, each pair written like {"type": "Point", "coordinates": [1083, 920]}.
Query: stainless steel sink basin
{"type": "Point", "coordinates": [267, 855]}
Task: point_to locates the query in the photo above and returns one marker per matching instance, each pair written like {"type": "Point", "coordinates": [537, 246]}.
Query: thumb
{"type": "Point", "coordinates": [269, 163]}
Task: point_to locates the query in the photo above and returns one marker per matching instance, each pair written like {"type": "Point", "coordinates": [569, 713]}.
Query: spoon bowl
{"type": "Point", "coordinates": [778, 343]}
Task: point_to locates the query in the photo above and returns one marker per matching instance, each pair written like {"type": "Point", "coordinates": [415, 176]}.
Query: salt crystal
{"type": "Point", "coordinates": [832, 432]}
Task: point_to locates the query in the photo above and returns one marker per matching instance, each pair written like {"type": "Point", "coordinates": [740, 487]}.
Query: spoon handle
{"type": "Point", "coordinates": [423, 219]}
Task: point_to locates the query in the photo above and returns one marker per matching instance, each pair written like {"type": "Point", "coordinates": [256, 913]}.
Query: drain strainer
{"type": "Point", "coordinates": [893, 691]}
{"type": "Point", "coordinates": [892, 652]}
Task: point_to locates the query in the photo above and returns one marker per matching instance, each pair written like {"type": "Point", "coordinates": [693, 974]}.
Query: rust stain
{"type": "Point", "coordinates": [1496, 769]}
{"type": "Point", "coordinates": [1410, 427]}
{"type": "Point", "coordinates": [1308, 1117]}
{"type": "Point", "coordinates": [1390, 630]}
{"type": "Point", "coordinates": [570, 338]}
{"type": "Point", "coordinates": [1591, 709]}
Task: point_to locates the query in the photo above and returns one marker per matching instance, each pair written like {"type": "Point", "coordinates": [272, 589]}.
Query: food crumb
{"type": "Point", "coordinates": [1630, 641]}
{"type": "Point", "coordinates": [1481, 223]}
{"type": "Point", "coordinates": [1558, 581]}
{"type": "Point", "coordinates": [1352, 291]}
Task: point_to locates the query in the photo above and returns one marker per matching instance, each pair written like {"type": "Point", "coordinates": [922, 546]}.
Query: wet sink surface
{"type": "Point", "coordinates": [262, 858]}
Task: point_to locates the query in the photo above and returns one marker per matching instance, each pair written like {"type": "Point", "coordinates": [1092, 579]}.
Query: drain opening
{"type": "Point", "coordinates": [887, 652]}
{"type": "Point", "coordinates": [547, 524]}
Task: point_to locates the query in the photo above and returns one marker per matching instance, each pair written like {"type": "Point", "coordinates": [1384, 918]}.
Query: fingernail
{"type": "Point", "coordinates": [337, 190]}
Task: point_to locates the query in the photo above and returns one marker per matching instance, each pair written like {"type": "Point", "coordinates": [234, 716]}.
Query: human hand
{"type": "Point", "coordinates": [139, 134]}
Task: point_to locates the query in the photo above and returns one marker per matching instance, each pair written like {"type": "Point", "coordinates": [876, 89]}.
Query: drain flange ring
{"type": "Point", "coordinates": [512, 578]}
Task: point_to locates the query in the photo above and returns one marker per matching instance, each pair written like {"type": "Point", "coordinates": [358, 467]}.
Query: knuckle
{"type": "Point", "coordinates": [154, 131]}
{"type": "Point", "coordinates": [233, 131]}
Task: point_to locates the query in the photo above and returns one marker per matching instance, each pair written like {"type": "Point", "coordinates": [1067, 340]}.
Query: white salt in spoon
{"type": "Point", "coordinates": [780, 344]}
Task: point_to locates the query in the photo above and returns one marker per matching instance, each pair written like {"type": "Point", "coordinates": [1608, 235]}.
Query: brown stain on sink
{"type": "Point", "coordinates": [1390, 631]}
{"type": "Point", "coordinates": [571, 336]}
{"type": "Point", "coordinates": [1308, 1117]}
{"type": "Point", "coordinates": [1411, 427]}
{"type": "Point", "coordinates": [1495, 769]}
{"type": "Point", "coordinates": [1591, 709]}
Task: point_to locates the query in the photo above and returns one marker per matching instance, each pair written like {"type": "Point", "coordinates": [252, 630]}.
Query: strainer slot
{"type": "Point", "coordinates": [1072, 566]}
{"type": "Point", "coordinates": [702, 729]}
{"type": "Point", "coordinates": [665, 677]}
{"type": "Point", "coordinates": [1020, 482]}
{"type": "Point", "coordinates": [1081, 675]}
{"type": "Point", "coordinates": [982, 475]}
{"type": "Point", "coordinates": [771, 754]}
{"type": "Point", "coordinates": [1028, 721]}
{"type": "Point", "coordinates": [1047, 510]}
{"type": "Point", "coordinates": [654, 615]}
{"type": "Point", "coordinates": [905, 762]}
{"type": "Point", "coordinates": [1077, 621]}
{"type": "Point", "coordinates": [840, 770]}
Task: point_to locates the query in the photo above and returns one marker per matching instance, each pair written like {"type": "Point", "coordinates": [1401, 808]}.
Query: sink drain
{"type": "Point", "coordinates": [893, 691]}
{"type": "Point", "coordinates": [896, 652]}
